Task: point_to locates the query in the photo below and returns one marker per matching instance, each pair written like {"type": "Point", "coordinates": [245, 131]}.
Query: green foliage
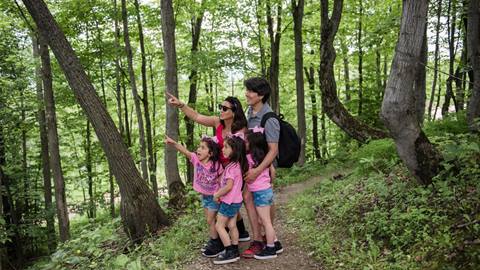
{"type": "Point", "coordinates": [376, 156]}
{"type": "Point", "coordinates": [299, 174]}
{"type": "Point", "coordinates": [378, 218]}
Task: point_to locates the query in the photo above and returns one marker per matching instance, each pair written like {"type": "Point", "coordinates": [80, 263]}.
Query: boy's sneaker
{"type": "Point", "coordinates": [254, 248]}
{"type": "Point", "coordinates": [266, 253]}
{"type": "Point", "coordinates": [230, 255]}
{"type": "Point", "coordinates": [243, 236]}
{"type": "Point", "coordinates": [214, 249]}
{"type": "Point", "coordinates": [278, 247]}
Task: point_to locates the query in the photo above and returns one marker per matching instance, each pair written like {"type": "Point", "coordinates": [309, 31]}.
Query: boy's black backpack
{"type": "Point", "coordinates": [289, 142]}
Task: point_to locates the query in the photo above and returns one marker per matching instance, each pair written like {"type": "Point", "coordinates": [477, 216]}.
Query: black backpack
{"type": "Point", "coordinates": [289, 142]}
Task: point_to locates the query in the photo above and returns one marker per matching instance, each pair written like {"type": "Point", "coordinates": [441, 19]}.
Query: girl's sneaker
{"type": "Point", "coordinates": [278, 247]}
{"type": "Point", "coordinates": [229, 256]}
{"type": "Point", "coordinates": [207, 245]}
{"type": "Point", "coordinates": [266, 253]}
{"type": "Point", "coordinates": [254, 248]}
{"type": "Point", "coordinates": [214, 249]}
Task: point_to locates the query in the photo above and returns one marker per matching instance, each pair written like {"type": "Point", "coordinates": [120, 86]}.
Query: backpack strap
{"type": "Point", "coordinates": [266, 117]}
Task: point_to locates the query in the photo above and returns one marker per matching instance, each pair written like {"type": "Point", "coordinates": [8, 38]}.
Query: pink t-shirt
{"type": "Point", "coordinates": [234, 172]}
{"type": "Point", "coordinates": [262, 181]}
{"type": "Point", "coordinates": [205, 176]}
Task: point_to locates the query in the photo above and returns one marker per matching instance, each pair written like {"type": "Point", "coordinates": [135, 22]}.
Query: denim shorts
{"type": "Point", "coordinates": [263, 197]}
{"type": "Point", "coordinates": [209, 203]}
{"type": "Point", "coordinates": [229, 210]}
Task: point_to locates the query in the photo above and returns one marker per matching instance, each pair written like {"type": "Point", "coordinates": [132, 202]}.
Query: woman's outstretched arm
{"type": "Point", "coordinates": [209, 121]}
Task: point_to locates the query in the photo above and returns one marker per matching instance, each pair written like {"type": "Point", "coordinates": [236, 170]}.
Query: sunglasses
{"type": "Point", "coordinates": [224, 108]}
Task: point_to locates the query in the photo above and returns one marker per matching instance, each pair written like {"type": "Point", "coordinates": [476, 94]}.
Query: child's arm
{"type": "Point", "coordinates": [224, 190]}
{"type": "Point", "coordinates": [178, 146]}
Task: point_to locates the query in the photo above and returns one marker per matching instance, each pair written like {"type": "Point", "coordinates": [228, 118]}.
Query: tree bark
{"type": "Point", "coordinates": [346, 70]}
{"type": "Point", "coordinates": [263, 62]}
{"type": "Point", "coordinates": [420, 85]}
{"type": "Point", "coordinates": [297, 10]}
{"type": "Point", "coordinates": [360, 58]}
{"type": "Point", "coordinates": [118, 51]}
{"type": "Point", "coordinates": [310, 73]}
{"type": "Point", "coordinates": [273, 70]}
{"type": "Point", "coordinates": [436, 58]}
{"type": "Point", "coordinates": [136, 98]}
{"type": "Point", "coordinates": [473, 38]}
{"type": "Point", "coordinates": [146, 110]}
{"type": "Point", "coordinates": [140, 211]}
{"type": "Point", "coordinates": [399, 111]}
{"type": "Point", "coordinates": [451, 52]}
{"type": "Point", "coordinates": [89, 167]}
{"type": "Point", "coordinates": [53, 144]}
{"type": "Point", "coordinates": [330, 102]}
{"type": "Point", "coordinates": [175, 185]}
{"type": "Point", "coordinates": [47, 176]}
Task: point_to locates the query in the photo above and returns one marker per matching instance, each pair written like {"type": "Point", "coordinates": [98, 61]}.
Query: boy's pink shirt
{"type": "Point", "coordinates": [205, 181]}
{"type": "Point", "coordinates": [234, 172]}
{"type": "Point", "coordinates": [262, 181]}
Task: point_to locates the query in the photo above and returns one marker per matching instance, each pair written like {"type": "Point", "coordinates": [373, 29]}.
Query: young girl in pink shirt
{"type": "Point", "coordinates": [262, 192]}
{"type": "Point", "coordinates": [207, 170]}
{"type": "Point", "coordinates": [230, 197]}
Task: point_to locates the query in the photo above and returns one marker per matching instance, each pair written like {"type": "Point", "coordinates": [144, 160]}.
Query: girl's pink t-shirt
{"type": "Point", "coordinates": [262, 181]}
{"type": "Point", "coordinates": [205, 176]}
{"type": "Point", "coordinates": [234, 172]}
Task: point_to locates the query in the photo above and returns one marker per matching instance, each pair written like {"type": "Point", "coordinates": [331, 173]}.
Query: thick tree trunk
{"type": "Point", "coordinates": [399, 111]}
{"type": "Point", "coordinates": [273, 70]}
{"type": "Point", "coordinates": [473, 38]}
{"type": "Point", "coordinates": [436, 58]}
{"type": "Point", "coordinates": [330, 102]}
{"type": "Point", "coordinates": [420, 85]}
{"type": "Point", "coordinates": [146, 110]}
{"type": "Point", "coordinates": [140, 211]}
{"type": "Point", "coordinates": [136, 98]}
{"type": "Point", "coordinates": [360, 57]}
{"type": "Point", "coordinates": [53, 144]}
{"type": "Point", "coordinates": [297, 10]}
{"type": "Point", "coordinates": [47, 176]}
{"type": "Point", "coordinates": [175, 185]}
{"type": "Point", "coordinates": [310, 73]}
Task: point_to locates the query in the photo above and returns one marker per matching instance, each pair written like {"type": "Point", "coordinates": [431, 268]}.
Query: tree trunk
{"type": "Point", "coordinates": [436, 58]}
{"type": "Point", "coordinates": [273, 70]}
{"type": "Point", "coordinates": [437, 105]}
{"type": "Point", "coordinates": [118, 51]}
{"type": "Point", "coordinates": [53, 144]}
{"type": "Point", "coordinates": [175, 185]}
{"type": "Point", "coordinates": [324, 138]}
{"type": "Point", "coordinates": [360, 58]}
{"type": "Point", "coordinates": [330, 103]}
{"type": "Point", "coordinates": [88, 165]}
{"type": "Point", "coordinates": [346, 70]}
{"type": "Point", "coordinates": [310, 73]}
{"type": "Point", "coordinates": [196, 27]}
{"type": "Point", "coordinates": [263, 62]}
{"type": "Point", "coordinates": [127, 117]}
{"type": "Point", "coordinates": [399, 106]}
{"type": "Point", "coordinates": [47, 176]}
{"type": "Point", "coordinates": [154, 113]}
{"type": "Point", "coordinates": [473, 38]}
{"type": "Point", "coordinates": [148, 124]}
{"type": "Point", "coordinates": [451, 52]}
{"type": "Point", "coordinates": [140, 211]}
{"type": "Point", "coordinates": [297, 10]}
{"type": "Point", "coordinates": [420, 85]}
{"type": "Point", "coordinates": [136, 98]}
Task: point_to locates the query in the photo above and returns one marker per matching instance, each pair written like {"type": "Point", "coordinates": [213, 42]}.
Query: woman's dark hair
{"type": "Point", "coordinates": [239, 153]}
{"type": "Point", "coordinates": [239, 119]}
{"type": "Point", "coordinates": [214, 151]}
{"type": "Point", "coordinates": [258, 146]}
{"type": "Point", "coordinates": [260, 86]}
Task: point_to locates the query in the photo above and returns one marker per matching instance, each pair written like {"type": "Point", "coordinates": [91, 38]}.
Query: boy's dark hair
{"type": "Point", "coordinates": [258, 146]}
{"type": "Point", "coordinates": [239, 119]}
{"type": "Point", "coordinates": [260, 86]}
{"type": "Point", "coordinates": [214, 150]}
{"type": "Point", "coordinates": [238, 152]}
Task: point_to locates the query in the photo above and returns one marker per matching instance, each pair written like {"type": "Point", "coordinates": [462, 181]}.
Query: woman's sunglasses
{"type": "Point", "coordinates": [224, 108]}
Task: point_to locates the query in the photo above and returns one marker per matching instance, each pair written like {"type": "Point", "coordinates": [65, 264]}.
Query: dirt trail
{"type": "Point", "coordinates": [293, 257]}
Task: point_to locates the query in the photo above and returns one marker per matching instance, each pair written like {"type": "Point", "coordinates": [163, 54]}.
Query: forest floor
{"type": "Point", "coordinates": [293, 256]}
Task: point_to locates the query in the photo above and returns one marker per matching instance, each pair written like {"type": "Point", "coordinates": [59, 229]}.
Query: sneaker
{"type": "Point", "coordinates": [266, 253]}
{"type": "Point", "coordinates": [229, 256]}
{"type": "Point", "coordinates": [243, 236]}
{"type": "Point", "coordinates": [254, 248]}
{"type": "Point", "coordinates": [278, 247]}
{"type": "Point", "coordinates": [214, 250]}
{"type": "Point", "coordinates": [206, 245]}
